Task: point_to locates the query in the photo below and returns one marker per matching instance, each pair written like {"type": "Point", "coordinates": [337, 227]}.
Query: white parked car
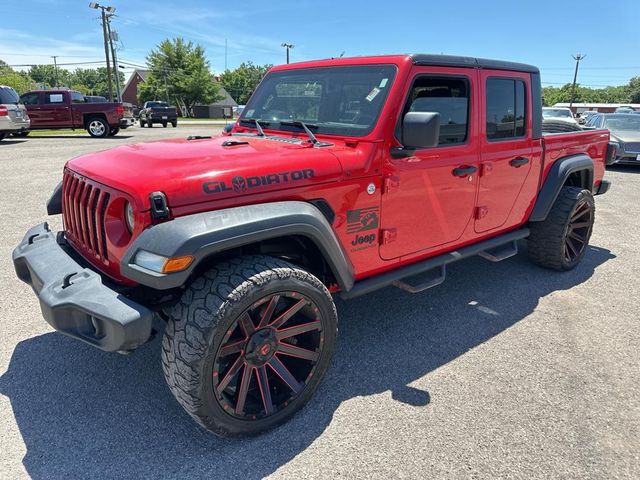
{"type": "Point", "coordinates": [558, 113]}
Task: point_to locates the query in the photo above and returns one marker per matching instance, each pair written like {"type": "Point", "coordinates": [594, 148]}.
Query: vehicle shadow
{"type": "Point", "coordinates": [79, 135]}
{"type": "Point", "coordinates": [11, 141]}
{"type": "Point", "coordinates": [81, 411]}
{"type": "Point", "coordinates": [624, 168]}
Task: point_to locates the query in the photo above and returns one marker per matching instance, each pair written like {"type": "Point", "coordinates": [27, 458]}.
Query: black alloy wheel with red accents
{"type": "Point", "coordinates": [248, 344]}
{"type": "Point", "coordinates": [560, 241]}
{"type": "Point", "coordinates": [268, 355]}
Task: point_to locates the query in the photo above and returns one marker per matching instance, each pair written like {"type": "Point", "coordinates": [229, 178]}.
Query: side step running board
{"type": "Point", "coordinates": [440, 273]}
{"type": "Point", "coordinates": [493, 247]}
{"type": "Point", "coordinates": [503, 252]}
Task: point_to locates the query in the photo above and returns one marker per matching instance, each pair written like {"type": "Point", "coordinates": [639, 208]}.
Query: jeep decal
{"type": "Point", "coordinates": [241, 184]}
{"type": "Point", "coordinates": [362, 219]}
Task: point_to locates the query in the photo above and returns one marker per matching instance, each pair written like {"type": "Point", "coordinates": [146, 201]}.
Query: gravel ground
{"type": "Point", "coordinates": [505, 370]}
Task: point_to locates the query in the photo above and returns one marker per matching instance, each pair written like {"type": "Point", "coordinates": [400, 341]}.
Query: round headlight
{"type": "Point", "coordinates": [128, 215]}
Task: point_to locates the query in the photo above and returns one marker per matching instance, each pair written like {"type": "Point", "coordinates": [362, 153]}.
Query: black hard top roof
{"type": "Point", "coordinates": [470, 62]}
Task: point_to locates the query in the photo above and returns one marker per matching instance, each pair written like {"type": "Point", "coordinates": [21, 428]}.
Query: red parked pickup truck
{"type": "Point", "coordinates": [340, 177]}
{"type": "Point", "coordinates": [57, 109]}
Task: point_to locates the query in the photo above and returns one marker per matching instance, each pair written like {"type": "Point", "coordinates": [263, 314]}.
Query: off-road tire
{"type": "Point", "coordinates": [197, 325]}
{"type": "Point", "coordinates": [546, 243]}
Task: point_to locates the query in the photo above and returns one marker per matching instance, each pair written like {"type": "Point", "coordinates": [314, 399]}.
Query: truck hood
{"type": "Point", "coordinates": [625, 136]}
{"type": "Point", "coordinates": [200, 170]}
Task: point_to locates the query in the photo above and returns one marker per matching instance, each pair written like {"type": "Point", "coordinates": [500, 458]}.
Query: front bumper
{"type": "Point", "coordinates": [74, 300]}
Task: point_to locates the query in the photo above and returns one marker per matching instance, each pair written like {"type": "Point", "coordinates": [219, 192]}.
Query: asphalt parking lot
{"type": "Point", "coordinates": [504, 371]}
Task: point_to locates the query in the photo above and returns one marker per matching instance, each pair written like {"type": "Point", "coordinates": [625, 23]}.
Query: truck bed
{"type": "Point", "coordinates": [590, 142]}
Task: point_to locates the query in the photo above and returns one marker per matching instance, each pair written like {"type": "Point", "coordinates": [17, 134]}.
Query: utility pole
{"type": "Point", "coordinates": [225, 54]}
{"type": "Point", "coordinates": [106, 42]}
{"type": "Point", "coordinates": [114, 36]}
{"type": "Point", "coordinates": [55, 67]}
{"type": "Point", "coordinates": [577, 58]}
{"type": "Point", "coordinates": [288, 47]}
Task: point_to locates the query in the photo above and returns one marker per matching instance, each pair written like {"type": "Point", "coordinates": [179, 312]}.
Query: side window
{"type": "Point", "coordinates": [506, 108]}
{"type": "Point", "coordinates": [77, 97]}
{"type": "Point", "coordinates": [29, 99]}
{"type": "Point", "coordinates": [449, 96]}
{"type": "Point", "coordinates": [53, 98]}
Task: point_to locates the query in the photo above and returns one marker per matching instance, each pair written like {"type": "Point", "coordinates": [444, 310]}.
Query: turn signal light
{"type": "Point", "coordinates": [177, 264]}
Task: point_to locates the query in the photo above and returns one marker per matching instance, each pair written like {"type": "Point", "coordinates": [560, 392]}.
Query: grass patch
{"type": "Point", "coordinates": [47, 133]}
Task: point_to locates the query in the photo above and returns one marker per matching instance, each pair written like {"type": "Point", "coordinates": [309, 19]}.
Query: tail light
{"type": "Point", "coordinates": [120, 109]}
{"type": "Point", "coordinates": [4, 111]}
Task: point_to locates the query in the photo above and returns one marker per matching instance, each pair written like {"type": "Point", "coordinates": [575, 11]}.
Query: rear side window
{"type": "Point", "coordinates": [77, 97]}
{"type": "Point", "coordinates": [448, 96]}
{"type": "Point", "coordinates": [53, 98]}
{"type": "Point", "coordinates": [8, 95]}
{"type": "Point", "coordinates": [29, 98]}
{"type": "Point", "coordinates": [506, 108]}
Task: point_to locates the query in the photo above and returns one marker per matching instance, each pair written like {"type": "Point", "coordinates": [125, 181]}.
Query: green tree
{"type": "Point", "coordinates": [241, 82]}
{"type": "Point", "coordinates": [93, 81]}
{"type": "Point", "coordinates": [49, 75]}
{"type": "Point", "coordinates": [634, 90]}
{"type": "Point", "coordinates": [179, 72]}
{"type": "Point", "coordinates": [19, 81]}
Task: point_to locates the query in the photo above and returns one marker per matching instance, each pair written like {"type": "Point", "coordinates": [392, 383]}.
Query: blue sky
{"type": "Point", "coordinates": [542, 32]}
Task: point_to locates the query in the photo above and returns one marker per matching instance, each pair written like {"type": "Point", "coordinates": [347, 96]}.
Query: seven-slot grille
{"type": "Point", "coordinates": [84, 205]}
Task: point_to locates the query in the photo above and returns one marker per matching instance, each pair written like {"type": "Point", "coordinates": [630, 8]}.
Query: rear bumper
{"type": "Point", "coordinates": [9, 125]}
{"type": "Point", "coordinates": [162, 117]}
{"type": "Point", "coordinates": [74, 300]}
{"type": "Point", "coordinates": [127, 122]}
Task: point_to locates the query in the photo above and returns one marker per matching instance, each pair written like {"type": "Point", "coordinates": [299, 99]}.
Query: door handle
{"type": "Point", "coordinates": [518, 162]}
{"type": "Point", "coordinates": [464, 170]}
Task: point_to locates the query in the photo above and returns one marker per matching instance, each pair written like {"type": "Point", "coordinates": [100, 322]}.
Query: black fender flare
{"type": "Point", "coordinates": [556, 178]}
{"type": "Point", "coordinates": [208, 233]}
{"type": "Point", "coordinates": [54, 204]}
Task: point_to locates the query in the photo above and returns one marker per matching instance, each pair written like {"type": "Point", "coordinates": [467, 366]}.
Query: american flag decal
{"type": "Point", "coordinates": [362, 219]}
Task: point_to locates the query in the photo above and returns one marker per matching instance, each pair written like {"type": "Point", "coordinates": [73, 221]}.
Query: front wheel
{"type": "Point", "coordinates": [248, 344]}
{"type": "Point", "coordinates": [560, 241]}
{"type": "Point", "coordinates": [98, 127]}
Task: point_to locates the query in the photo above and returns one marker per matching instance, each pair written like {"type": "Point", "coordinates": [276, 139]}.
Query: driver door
{"type": "Point", "coordinates": [429, 197]}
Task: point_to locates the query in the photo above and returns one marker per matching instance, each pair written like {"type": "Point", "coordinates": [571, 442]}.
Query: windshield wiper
{"type": "Point", "coordinates": [305, 126]}
{"type": "Point", "coordinates": [257, 122]}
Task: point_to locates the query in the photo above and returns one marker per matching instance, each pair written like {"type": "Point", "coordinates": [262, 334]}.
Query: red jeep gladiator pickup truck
{"type": "Point", "coordinates": [56, 109]}
{"type": "Point", "coordinates": [341, 177]}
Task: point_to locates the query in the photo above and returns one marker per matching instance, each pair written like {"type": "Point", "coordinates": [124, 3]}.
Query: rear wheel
{"type": "Point", "coordinates": [142, 124]}
{"type": "Point", "coordinates": [98, 127]}
{"type": "Point", "coordinates": [114, 132]}
{"type": "Point", "coordinates": [164, 124]}
{"type": "Point", "coordinates": [150, 123]}
{"type": "Point", "coordinates": [2, 135]}
{"type": "Point", "coordinates": [248, 344]}
{"type": "Point", "coordinates": [174, 124]}
{"type": "Point", "coordinates": [22, 134]}
{"type": "Point", "coordinates": [560, 241]}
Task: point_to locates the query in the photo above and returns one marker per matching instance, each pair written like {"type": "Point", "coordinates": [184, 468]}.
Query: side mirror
{"type": "Point", "coordinates": [420, 130]}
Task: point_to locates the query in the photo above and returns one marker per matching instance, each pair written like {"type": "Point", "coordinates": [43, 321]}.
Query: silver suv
{"type": "Point", "coordinates": [13, 115]}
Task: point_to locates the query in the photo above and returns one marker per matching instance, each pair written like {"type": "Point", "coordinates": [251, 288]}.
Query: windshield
{"type": "Point", "coordinates": [623, 122]}
{"type": "Point", "coordinates": [555, 113]}
{"type": "Point", "coordinates": [333, 100]}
